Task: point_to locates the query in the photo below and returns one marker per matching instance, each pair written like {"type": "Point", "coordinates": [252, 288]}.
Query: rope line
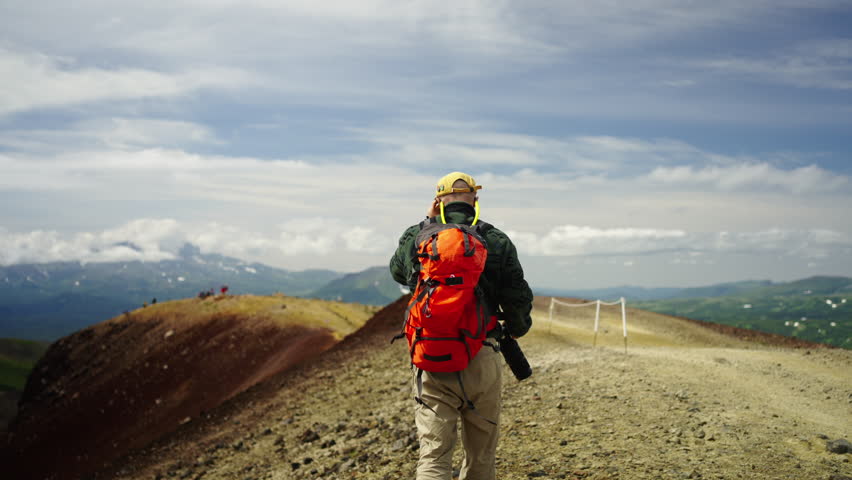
{"type": "Point", "coordinates": [617, 302]}
{"type": "Point", "coordinates": [621, 301]}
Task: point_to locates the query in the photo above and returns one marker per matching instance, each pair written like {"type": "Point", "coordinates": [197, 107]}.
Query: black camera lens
{"type": "Point", "coordinates": [514, 357]}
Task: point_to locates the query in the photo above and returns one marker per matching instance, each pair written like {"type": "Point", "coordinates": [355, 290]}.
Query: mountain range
{"type": "Point", "coordinates": [50, 300]}
{"type": "Point", "coordinates": [47, 301]}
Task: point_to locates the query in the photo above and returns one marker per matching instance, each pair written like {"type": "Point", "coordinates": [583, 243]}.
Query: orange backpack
{"type": "Point", "coordinates": [446, 320]}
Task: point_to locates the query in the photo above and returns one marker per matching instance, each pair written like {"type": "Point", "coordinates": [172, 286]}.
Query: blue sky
{"type": "Point", "coordinates": [646, 142]}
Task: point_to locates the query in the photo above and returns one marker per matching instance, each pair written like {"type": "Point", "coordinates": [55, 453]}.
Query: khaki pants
{"type": "Point", "coordinates": [436, 430]}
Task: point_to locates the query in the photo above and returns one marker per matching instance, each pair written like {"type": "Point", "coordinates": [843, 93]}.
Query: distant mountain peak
{"type": "Point", "coordinates": [188, 251]}
{"type": "Point", "coordinates": [130, 245]}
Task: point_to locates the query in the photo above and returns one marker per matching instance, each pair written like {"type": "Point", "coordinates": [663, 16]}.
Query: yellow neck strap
{"type": "Point", "coordinates": [475, 217]}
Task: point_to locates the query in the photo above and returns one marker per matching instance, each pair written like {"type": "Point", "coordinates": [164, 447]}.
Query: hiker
{"type": "Point", "coordinates": [473, 393]}
{"type": "Point", "coordinates": [224, 289]}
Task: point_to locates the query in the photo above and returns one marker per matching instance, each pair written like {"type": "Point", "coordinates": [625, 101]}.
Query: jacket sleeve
{"type": "Point", "coordinates": [513, 292]}
{"type": "Point", "coordinates": [401, 266]}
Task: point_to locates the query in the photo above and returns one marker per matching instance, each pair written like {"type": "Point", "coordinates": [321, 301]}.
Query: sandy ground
{"type": "Point", "coordinates": [682, 402]}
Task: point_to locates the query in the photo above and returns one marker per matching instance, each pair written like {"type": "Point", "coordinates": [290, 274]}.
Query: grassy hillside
{"type": "Point", "coordinates": [373, 286]}
{"type": "Point", "coordinates": [819, 285]}
{"type": "Point", "coordinates": [17, 358]}
{"type": "Point", "coordinates": [823, 318]}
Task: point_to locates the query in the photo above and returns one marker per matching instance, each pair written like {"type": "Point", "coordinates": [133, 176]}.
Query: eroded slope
{"type": "Point", "coordinates": [123, 383]}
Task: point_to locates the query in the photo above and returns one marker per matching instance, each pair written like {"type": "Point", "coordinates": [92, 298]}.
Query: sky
{"type": "Point", "coordinates": [650, 142]}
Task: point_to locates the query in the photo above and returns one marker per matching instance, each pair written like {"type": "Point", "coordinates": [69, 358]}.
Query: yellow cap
{"type": "Point", "coordinates": [445, 184]}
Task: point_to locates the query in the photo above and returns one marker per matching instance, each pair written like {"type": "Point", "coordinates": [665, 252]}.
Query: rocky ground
{"type": "Point", "coordinates": [682, 402]}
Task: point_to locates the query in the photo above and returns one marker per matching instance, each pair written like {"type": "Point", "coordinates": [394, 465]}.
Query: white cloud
{"type": "Point", "coordinates": [366, 240]}
{"type": "Point", "coordinates": [572, 240]}
{"type": "Point", "coordinates": [47, 81]}
{"type": "Point", "coordinates": [160, 239]}
{"type": "Point", "coordinates": [679, 83]}
{"type": "Point", "coordinates": [483, 146]}
{"type": "Point", "coordinates": [123, 133]}
{"type": "Point", "coordinates": [822, 63]}
{"type": "Point", "coordinates": [148, 237]}
{"type": "Point", "coordinates": [627, 180]}
{"type": "Point", "coordinates": [810, 244]}
{"type": "Point", "coordinates": [305, 30]}
{"type": "Point", "coordinates": [809, 179]}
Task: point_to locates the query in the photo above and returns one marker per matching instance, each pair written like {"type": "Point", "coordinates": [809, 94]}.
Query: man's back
{"type": "Point", "coordinates": [472, 395]}
{"type": "Point", "coordinates": [502, 281]}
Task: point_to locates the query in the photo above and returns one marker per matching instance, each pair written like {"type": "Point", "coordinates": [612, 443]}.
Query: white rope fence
{"type": "Point", "coordinates": [597, 304]}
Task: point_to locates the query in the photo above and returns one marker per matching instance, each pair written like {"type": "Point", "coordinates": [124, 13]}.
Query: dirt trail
{"type": "Point", "coordinates": [683, 402]}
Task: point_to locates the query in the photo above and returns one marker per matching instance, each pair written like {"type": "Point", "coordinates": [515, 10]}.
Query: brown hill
{"type": "Point", "coordinates": [121, 384]}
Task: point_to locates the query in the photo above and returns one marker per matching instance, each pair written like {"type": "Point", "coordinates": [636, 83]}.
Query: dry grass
{"type": "Point", "coordinates": [339, 317]}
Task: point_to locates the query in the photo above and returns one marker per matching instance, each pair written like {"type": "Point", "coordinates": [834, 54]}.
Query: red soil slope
{"type": "Point", "coordinates": [253, 405]}
{"type": "Point", "coordinates": [119, 385]}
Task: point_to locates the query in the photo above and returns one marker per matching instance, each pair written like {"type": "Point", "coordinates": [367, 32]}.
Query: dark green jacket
{"type": "Point", "coordinates": [502, 281]}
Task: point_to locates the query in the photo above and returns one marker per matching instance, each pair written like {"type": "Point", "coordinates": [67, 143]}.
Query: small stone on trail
{"type": "Point", "coordinates": [537, 474]}
{"type": "Point", "coordinates": [309, 436]}
{"type": "Point", "coordinates": [841, 445]}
